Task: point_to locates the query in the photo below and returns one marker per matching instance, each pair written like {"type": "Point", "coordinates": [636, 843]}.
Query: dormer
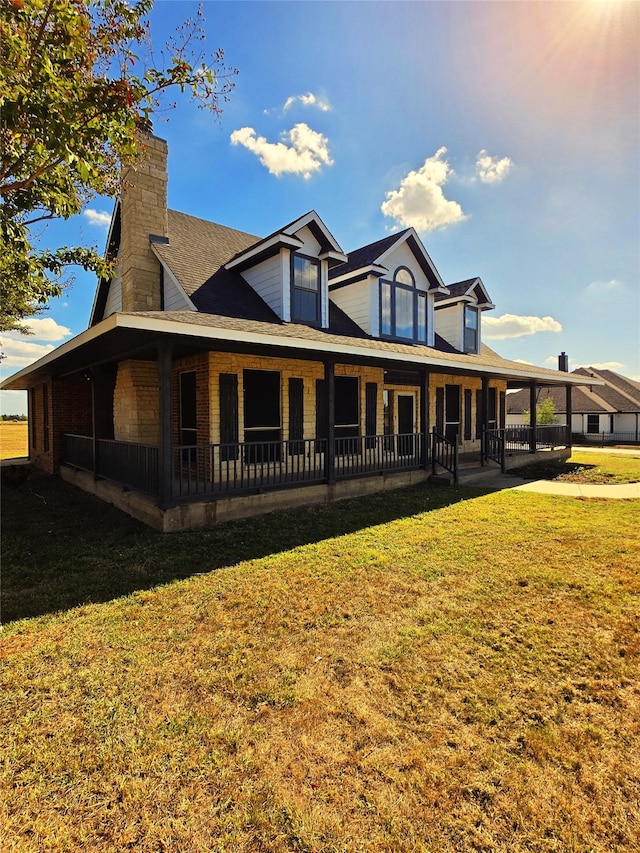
{"type": "Point", "coordinates": [458, 314]}
{"type": "Point", "coordinates": [289, 269]}
{"type": "Point", "coordinates": [388, 288]}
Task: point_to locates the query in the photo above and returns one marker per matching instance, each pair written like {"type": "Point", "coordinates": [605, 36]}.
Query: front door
{"type": "Point", "coordinates": [406, 405]}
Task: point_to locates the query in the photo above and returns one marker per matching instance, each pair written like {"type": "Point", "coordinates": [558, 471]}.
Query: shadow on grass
{"type": "Point", "coordinates": [553, 470]}
{"type": "Point", "coordinates": [63, 548]}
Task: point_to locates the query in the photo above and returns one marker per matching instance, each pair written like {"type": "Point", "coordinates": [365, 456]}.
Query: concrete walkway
{"type": "Point", "coordinates": [615, 491]}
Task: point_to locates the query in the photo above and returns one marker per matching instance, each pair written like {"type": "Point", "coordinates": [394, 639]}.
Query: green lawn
{"type": "Point", "coordinates": [586, 467]}
{"type": "Point", "coordinates": [434, 670]}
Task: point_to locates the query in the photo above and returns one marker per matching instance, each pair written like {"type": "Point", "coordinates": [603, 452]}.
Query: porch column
{"type": "Point", "coordinates": [533, 415]}
{"type": "Point", "coordinates": [330, 461]}
{"type": "Point", "coordinates": [569, 415]}
{"type": "Point", "coordinates": [484, 418]}
{"type": "Point", "coordinates": [424, 406]}
{"type": "Point", "coordinates": [165, 468]}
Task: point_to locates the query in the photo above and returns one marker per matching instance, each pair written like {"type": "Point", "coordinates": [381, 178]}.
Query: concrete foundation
{"type": "Point", "coordinates": [208, 513]}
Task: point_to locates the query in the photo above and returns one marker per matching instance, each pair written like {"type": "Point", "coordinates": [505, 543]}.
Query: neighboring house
{"type": "Point", "coordinates": [607, 411]}
{"type": "Point", "coordinates": [219, 368]}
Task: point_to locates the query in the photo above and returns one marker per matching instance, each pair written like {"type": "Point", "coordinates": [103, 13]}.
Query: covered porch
{"type": "Point", "coordinates": [452, 405]}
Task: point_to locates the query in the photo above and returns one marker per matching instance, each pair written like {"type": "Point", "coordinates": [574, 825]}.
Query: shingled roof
{"type": "Point", "coordinates": [366, 255]}
{"type": "Point", "coordinates": [596, 399]}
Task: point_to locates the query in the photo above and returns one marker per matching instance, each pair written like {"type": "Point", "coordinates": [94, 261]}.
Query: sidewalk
{"type": "Point", "coordinates": [492, 478]}
{"type": "Point", "coordinates": [615, 491]}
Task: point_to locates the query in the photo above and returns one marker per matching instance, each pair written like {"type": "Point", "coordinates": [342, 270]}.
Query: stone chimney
{"type": "Point", "coordinates": [563, 362]}
{"type": "Point", "coordinates": [143, 211]}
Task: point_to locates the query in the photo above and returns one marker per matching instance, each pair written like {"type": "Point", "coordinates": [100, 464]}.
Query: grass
{"type": "Point", "coordinates": [433, 670]}
{"type": "Point", "coordinates": [586, 467]}
{"type": "Point", "coordinates": [13, 439]}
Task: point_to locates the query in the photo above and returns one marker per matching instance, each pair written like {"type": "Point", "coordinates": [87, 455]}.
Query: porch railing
{"type": "Point", "coordinates": [444, 453]}
{"type": "Point", "coordinates": [246, 466]}
{"type": "Point", "coordinates": [133, 465]}
{"type": "Point", "coordinates": [494, 446]}
{"type": "Point", "coordinates": [372, 454]}
{"type": "Point", "coordinates": [77, 450]}
{"type": "Point", "coordinates": [520, 436]}
{"type": "Point", "coordinates": [198, 470]}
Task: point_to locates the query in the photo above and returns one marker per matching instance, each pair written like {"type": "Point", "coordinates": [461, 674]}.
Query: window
{"type": "Point", "coordinates": [262, 413]}
{"type": "Point", "coordinates": [403, 308]}
{"type": "Point", "coordinates": [347, 406]}
{"type": "Point", "coordinates": [593, 423]}
{"type": "Point", "coordinates": [305, 289]}
{"type": "Point", "coordinates": [470, 329]}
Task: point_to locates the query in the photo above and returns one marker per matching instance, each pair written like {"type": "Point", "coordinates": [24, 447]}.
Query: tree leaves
{"type": "Point", "coordinates": [76, 84]}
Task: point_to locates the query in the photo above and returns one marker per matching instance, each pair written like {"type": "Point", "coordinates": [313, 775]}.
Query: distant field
{"type": "Point", "coordinates": [13, 439]}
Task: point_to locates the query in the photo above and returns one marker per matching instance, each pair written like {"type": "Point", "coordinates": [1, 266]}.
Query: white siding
{"type": "Point", "coordinates": [358, 300]}
{"type": "Point", "coordinates": [449, 324]}
{"type": "Point", "coordinates": [175, 299]}
{"type": "Point", "coordinates": [113, 305]}
{"type": "Point", "coordinates": [310, 245]}
{"type": "Point", "coordinates": [402, 256]}
{"type": "Point", "coordinates": [266, 279]}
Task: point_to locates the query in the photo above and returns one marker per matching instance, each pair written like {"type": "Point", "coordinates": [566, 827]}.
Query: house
{"type": "Point", "coordinates": [223, 374]}
{"type": "Point", "coordinates": [607, 411]}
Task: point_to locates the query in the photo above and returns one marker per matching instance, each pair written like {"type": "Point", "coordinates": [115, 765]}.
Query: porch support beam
{"type": "Point", "coordinates": [330, 461]}
{"type": "Point", "coordinates": [533, 415]}
{"type": "Point", "coordinates": [165, 472]}
{"type": "Point", "coordinates": [569, 408]}
{"type": "Point", "coordinates": [424, 408]}
{"type": "Point", "coordinates": [484, 415]}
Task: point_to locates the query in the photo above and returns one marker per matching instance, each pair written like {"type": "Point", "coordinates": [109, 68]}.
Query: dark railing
{"type": "Point", "coordinates": [494, 444]}
{"type": "Point", "coordinates": [444, 453]}
{"type": "Point", "coordinates": [370, 454]}
{"type": "Point", "coordinates": [211, 469]}
{"type": "Point", "coordinates": [249, 466]}
{"type": "Point", "coordinates": [77, 450]}
{"type": "Point", "coordinates": [135, 465]}
{"type": "Point", "coordinates": [519, 436]}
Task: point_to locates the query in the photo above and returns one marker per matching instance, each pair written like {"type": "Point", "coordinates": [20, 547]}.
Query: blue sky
{"type": "Point", "coordinates": [507, 134]}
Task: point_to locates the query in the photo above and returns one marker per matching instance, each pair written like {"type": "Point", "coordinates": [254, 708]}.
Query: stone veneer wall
{"type": "Point", "coordinates": [438, 380]}
{"type": "Point", "coordinates": [144, 212]}
{"type": "Point", "coordinates": [136, 402]}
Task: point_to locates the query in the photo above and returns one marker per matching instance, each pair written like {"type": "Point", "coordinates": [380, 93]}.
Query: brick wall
{"type": "Point", "coordinates": [68, 402]}
{"type": "Point", "coordinates": [200, 364]}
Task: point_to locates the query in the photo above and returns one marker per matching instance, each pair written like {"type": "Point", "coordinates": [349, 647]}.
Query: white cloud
{"type": "Point", "coordinates": [308, 100]}
{"type": "Point", "coordinates": [21, 353]}
{"type": "Point", "coordinates": [602, 286]}
{"type": "Point", "coordinates": [513, 326]}
{"type": "Point", "coordinates": [21, 350]}
{"type": "Point", "coordinates": [100, 218]}
{"type": "Point", "coordinates": [420, 201]}
{"type": "Point", "coordinates": [307, 153]}
{"type": "Point", "coordinates": [492, 170]}
{"type": "Point", "coordinates": [41, 330]}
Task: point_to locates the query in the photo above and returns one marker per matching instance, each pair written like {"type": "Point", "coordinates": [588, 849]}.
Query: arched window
{"type": "Point", "coordinates": [403, 275]}
{"type": "Point", "coordinates": [403, 308]}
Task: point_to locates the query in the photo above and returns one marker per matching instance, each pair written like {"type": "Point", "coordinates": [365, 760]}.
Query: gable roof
{"type": "Point", "coordinates": [196, 253]}
{"type": "Point", "coordinates": [603, 397]}
{"type": "Point", "coordinates": [371, 260]}
{"type": "Point", "coordinates": [470, 287]}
